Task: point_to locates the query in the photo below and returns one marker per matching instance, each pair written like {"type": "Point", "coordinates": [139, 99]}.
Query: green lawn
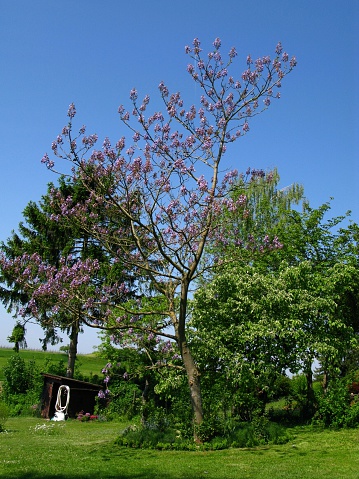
{"type": "Point", "coordinates": [85, 451]}
{"type": "Point", "coordinates": [87, 363]}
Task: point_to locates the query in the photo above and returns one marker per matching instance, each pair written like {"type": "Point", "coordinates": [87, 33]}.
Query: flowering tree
{"type": "Point", "coordinates": [168, 183]}
{"type": "Point", "coordinates": [51, 244]}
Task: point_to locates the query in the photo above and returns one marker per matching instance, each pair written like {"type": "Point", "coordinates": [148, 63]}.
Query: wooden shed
{"type": "Point", "coordinates": [82, 395]}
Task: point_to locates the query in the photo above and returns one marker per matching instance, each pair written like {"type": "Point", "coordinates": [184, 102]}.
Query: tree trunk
{"type": "Point", "coordinates": [193, 373]}
{"type": "Point", "coordinates": [193, 377]}
{"type": "Point", "coordinates": [325, 382]}
{"type": "Point", "coordinates": [145, 392]}
{"type": "Point", "coordinates": [309, 378]}
{"type": "Point", "coordinates": [310, 399]}
{"type": "Point", "coordinates": [72, 349]}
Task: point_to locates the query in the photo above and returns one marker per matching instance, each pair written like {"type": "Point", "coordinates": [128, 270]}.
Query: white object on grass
{"type": "Point", "coordinates": [61, 410]}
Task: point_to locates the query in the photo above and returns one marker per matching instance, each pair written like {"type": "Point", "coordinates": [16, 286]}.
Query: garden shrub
{"type": "Point", "coordinates": [209, 428]}
{"type": "Point", "coordinates": [22, 386]}
{"type": "Point", "coordinates": [4, 414]}
{"type": "Point", "coordinates": [298, 391]}
{"type": "Point", "coordinates": [157, 419]}
{"type": "Point", "coordinates": [336, 407]}
{"type": "Point", "coordinates": [300, 402]}
{"type": "Point", "coordinates": [146, 437]}
{"type": "Point", "coordinates": [157, 435]}
{"type": "Point", "coordinates": [281, 387]}
{"type": "Point", "coordinates": [19, 376]}
{"type": "Point", "coordinates": [26, 404]}
{"type": "Point", "coordinates": [125, 401]}
{"type": "Point", "coordinates": [257, 432]}
{"type": "Point", "coordinates": [352, 415]}
{"type": "Point", "coordinates": [57, 368]}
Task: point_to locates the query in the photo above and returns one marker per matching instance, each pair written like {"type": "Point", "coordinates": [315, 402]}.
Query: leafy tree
{"type": "Point", "coordinates": [260, 222]}
{"type": "Point", "coordinates": [38, 234]}
{"type": "Point", "coordinates": [18, 337]}
{"type": "Point", "coordinates": [168, 184]}
{"type": "Point", "coordinates": [53, 243]}
{"type": "Point", "coordinates": [286, 308]}
{"type": "Point", "coordinates": [268, 322]}
{"type": "Point", "coordinates": [332, 252]}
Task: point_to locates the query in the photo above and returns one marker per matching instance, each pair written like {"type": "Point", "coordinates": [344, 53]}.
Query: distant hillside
{"type": "Point", "coordinates": [87, 364]}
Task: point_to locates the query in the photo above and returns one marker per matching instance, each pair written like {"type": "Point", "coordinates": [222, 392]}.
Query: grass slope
{"type": "Point", "coordinates": [78, 450]}
{"type": "Point", "coordinates": [86, 363]}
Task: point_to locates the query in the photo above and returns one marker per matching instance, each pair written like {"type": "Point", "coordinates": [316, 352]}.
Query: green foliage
{"type": "Point", "coordinates": [163, 429]}
{"type": "Point", "coordinates": [125, 401]}
{"type": "Point", "coordinates": [337, 407]}
{"type": "Point", "coordinates": [4, 414]}
{"type": "Point", "coordinates": [179, 407]}
{"type": "Point", "coordinates": [278, 309]}
{"type": "Point", "coordinates": [22, 386]}
{"type": "Point", "coordinates": [20, 376]}
{"type": "Point", "coordinates": [18, 337]}
{"type": "Point", "coordinates": [209, 428]}
{"type": "Point", "coordinates": [146, 437]}
{"type": "Point", "coordinates": [137, 388]}
{"type": "Point", "coordinates": [352, 414]}
{"type": "Point", "coordinates": [151, 436]}
{"type": "Point", "coordinates": [24, 404]}
{"type": "Point", "coordinates": [57, 368]}
{"type": "Point", "coordinates": [281, 386]}
{"type": "Point", "coordinates": [300, 398]}
{"type": "Point", "coordinates": [259, 432]}
{"type": "Point", "coordinates": [64, 349]}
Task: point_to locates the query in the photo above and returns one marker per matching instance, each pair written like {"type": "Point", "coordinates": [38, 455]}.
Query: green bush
{"type": "Point", "coordinates": [125, 401]}
{"type": "Point", "coordinates": [336, 407]}
{"type": "Point", "coordinates": [4, 414]}
{"type": "Point", "coordinates": [24, 404]}
{"type": "Point", "coordinates": [57, 368]}
{"type": "Point", "coordinates": [19, 376]}
{"type": "Point", "coordinates": [22, 386]}
{"type": "Point", "coordinates": [281, 387]}
{"type": "Point", "coordinates": [146, 438]}
{"type": "Point", "coordinates": [157, 418]}
{"type": "Point", "coordinates": [352, 416]}
{"type": "Point", "coordinates": [298, 391]}
{"type": "Point", "coordinates": [258, 432]}
{"type": "Point", "coordinates": [209, 428]}
{"type": "Point", "coordinates": [152, 436]}
{"type": "Point", "coordinates": [301, 400]}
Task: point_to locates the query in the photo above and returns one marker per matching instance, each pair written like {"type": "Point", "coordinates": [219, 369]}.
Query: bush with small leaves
{"type": "Point", "coordinates": [4, 414]}
{"type": "Point", "coordinates": [337, 407]}
{"type": "Point", "coordinates": [22, 386]}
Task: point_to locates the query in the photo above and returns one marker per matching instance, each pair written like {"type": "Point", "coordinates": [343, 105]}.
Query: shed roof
{"type": "Point", "coordinates": [71, 381]}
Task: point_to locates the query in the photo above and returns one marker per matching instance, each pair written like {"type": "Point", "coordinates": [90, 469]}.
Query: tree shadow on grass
{"type": "Point", "coordinates": [150, 474]}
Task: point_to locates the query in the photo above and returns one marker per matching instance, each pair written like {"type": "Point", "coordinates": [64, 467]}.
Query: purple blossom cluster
{"type": "Point", "coordinates": [61, 288]}
{"type": "Point", "coordinates": [103, 394]}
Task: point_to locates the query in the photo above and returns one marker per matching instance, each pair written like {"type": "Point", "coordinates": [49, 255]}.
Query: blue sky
{"type": "Point", "coordinates": [93, 52]}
